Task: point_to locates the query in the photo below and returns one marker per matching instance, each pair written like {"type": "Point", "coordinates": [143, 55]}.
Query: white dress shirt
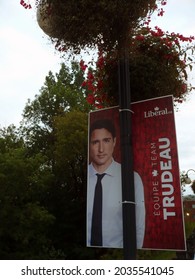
{"type": "Point", "coordinates": [112, 225]}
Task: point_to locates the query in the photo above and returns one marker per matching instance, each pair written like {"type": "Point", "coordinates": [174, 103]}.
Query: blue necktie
{"type": "Point", "coordinates": [96, 226]}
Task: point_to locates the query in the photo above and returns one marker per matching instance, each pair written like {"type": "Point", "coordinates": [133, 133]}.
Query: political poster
{"type": "Point", "coordinates": [156, 159]}
{"type": "Point", "coordinates": [156, 168]}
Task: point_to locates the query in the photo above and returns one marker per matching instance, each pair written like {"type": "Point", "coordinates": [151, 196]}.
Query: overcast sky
{"type": "Point", "coordinates": [26, 57]}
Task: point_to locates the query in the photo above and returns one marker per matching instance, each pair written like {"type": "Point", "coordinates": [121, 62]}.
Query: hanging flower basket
{"type": "Point", "coordinates": [87, 23]}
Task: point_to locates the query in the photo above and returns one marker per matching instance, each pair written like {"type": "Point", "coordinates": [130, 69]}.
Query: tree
{"type": "Point", "coordinates": [43, 180]}
{"type": "Point", "coordinates": [68, 198]}
{"type": "Point", "coordinates": [71, 131]}
{"type": "Point", "coordinates": [24, 219]}
{"type": "Point", "coordinates": [55, 126]}
{"type": "Point", "coordinates": [60, 94]}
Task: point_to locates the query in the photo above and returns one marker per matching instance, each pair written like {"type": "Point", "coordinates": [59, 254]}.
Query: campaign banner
{"type": "Point", "coordinates": [159, 207]}
{"type": "Point", "coordinates": [156, 159]}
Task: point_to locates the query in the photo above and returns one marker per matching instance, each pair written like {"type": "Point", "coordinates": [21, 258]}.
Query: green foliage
{"type": "Point", "coordinates": [158, 66]}
{"type": "Point", "coordinates": [10, 138]}
{"type": "Point", "coordinates": [156, 255]}
{"type": "Point", "coordinates": [189, 228]}
{"type": "Point", "coordinates": [159, 62]}
{"type": "Point", "coordinates": [71, 131]}
{"type": "Point", "coordinates": [42, 179]}
{"type": "Point", "coordinates": [55, 128]}
{"type": "Point", "coordinates": [60, 94]}
{"type": "Point", "coordinates": [81, 23]}
{"type": "Point", "coordinates": [68, 199]}
{"type": "Point", "coordinates": [24, 220]}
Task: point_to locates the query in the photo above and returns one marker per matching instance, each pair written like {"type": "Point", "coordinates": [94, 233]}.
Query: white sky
{"type": "Point", "coordinates": [26, 57]}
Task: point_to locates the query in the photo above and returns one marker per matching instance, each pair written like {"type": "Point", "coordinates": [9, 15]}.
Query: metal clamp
{"type": "Point", "coordinates": [128, 202]}
{"type": "Point", "coordinates": [127, 110]}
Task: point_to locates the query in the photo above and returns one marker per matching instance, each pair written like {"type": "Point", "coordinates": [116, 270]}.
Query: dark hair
{"type": "Point", "coordinates": [104, 123]}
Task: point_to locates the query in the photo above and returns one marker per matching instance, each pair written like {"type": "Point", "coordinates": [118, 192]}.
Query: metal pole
{"type": "Point", "coordinates": [128, 193]}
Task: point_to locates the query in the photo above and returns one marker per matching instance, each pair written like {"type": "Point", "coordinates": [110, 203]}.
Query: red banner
{"type": "Point", "coordinates": [156, 161]}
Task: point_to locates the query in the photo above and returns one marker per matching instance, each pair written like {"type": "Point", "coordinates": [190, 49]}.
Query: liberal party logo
{"type": "Point", "coordinates": [157, 112]}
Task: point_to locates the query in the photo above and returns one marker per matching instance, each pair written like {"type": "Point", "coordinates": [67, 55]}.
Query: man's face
{"type": "Point", "coordinates": [101, 148]}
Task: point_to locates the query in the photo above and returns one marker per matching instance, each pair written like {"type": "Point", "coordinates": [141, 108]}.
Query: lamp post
{"type": "Point", "coordinates": [187, 179]}
{"type": "Point", "coordinates": [128, 192]}
{"type": "Point", "coordinates": [60, 19]}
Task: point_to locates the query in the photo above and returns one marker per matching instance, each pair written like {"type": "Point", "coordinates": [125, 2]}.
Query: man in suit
{"type": "Point", "coordinates": [105, 172]}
